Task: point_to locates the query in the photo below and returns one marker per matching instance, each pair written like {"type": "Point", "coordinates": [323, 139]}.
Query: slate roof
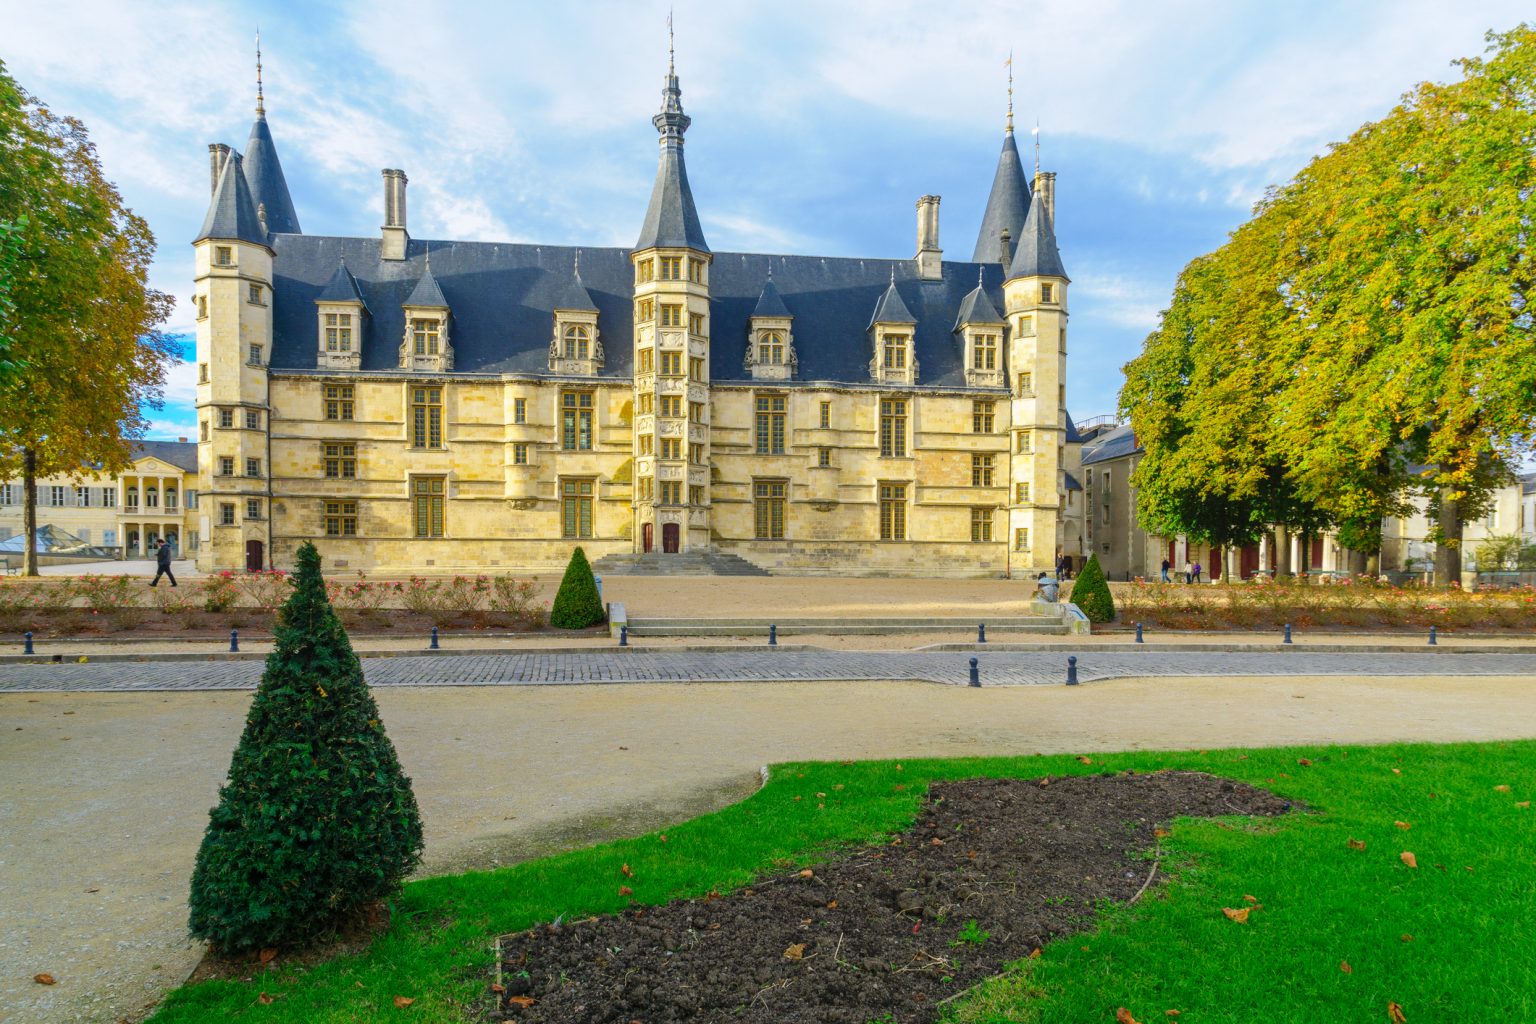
{"type": "Point", "coordinates": [1116, 444]}
{"type": "Point", "coordinates": [1073, 437]}
{"type": "Point", "coordinates": [1071, 482]}
{"type": "Point", "coordinates": [890, 309]}
{"type": "Point", "coordinates": [1007, 205]}
{"type": "Point", "coordinates": [1528, 483]}
{"type": "Point", "coordinates": [671, 219]}
{"type": "Point", "coordinates": [181, 454]}
{"type": "Point", "coordinates": [574, 295]}
{"type": "Point", "coordinates": [231, 212]}
{"type": "Point", "coordinates": [503, 298]}
{"type": "Point", "coordinates": [770, 302]}
{"type": "Point", "coordinates": [341, 288]}
{"type": "Point", "coordinates": [1035, 253]}
{"type": "Point", "coordinates": [268, 187]}
{"type": "Point", "coordinates": [976, 308]}
{"type": "Point", "coordinates": [427, 294]}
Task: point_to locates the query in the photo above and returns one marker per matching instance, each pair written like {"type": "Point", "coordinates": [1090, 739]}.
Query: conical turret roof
{"type": "Point", "coordinates": [671, 220]}
{"type": "Point", "coordinates": [1036, 254]}
{"type": "Point", "coordinates": [1007, 204]}
{"type": "Point", "coordinates": [269, 189]}
{"type": "Point", "coordinates": [231, 213]}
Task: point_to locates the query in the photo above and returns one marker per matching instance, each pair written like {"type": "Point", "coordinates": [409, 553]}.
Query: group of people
{"type": "Point", "coordinates": [1192, 571]}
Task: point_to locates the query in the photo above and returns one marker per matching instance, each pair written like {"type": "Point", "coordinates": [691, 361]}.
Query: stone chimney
{"type": "Point", "coordinates": [1045, 192]}
{"type": "Point", "coordinates": [929, 256]}
{"type": "Point", "coordinates": [395, 235]}
{"type": "Point", "coordinates": [1005, 245]}
{"type": "Point", "coordinates": [218, 156]}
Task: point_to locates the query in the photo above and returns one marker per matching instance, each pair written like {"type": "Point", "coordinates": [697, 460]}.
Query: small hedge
{"type": "Point", "coordinates": [577, 605]}
{"type": "Point", "coordinates": [316, 820]}
{"type": "Point", "coordinates": [1090, 592]}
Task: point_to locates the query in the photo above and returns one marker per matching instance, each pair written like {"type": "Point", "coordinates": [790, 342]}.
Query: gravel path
{"type": "Point", "coordinates": [104, 795]}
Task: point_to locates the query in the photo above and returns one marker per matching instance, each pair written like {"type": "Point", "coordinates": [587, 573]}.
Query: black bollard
{"type": "Point", "coordinates": [623, 636]}
{"type": "Point", "coordinates": [1071, 670]}
{"type": "Point", "coordinates": [1287, 634]}
{"type": "Point", "coordinates": [1138, 634]}
{"type": "Point", "coordinates": [975, 673]}
{"type": "Point", "coordinates": [433, 646]}
{"type": "Point", "coordinates": [28, 637]}
{"type": "Point", "coordinates": [981, 632]}
{"type": "Point", "coordinates": [234, 641]}
{"type": "Point", "coordinates": [773, 635]}
{"type": "Point", "coordinates": [1432, 641]}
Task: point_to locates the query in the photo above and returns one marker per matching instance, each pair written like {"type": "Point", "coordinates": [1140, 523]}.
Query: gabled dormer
{"type": "Point", "coordinates": [575, 347]}
{"type": "Point", "coordinates": [981, 327]}
{"type": "Point", "coordinates": [341, 319]}
{"type": "Point", "coordinates": [770, 339]}
{"type": "Point", "coordinates": [891, 329]}
{"type": "Point", "coordinates": [427, 345]}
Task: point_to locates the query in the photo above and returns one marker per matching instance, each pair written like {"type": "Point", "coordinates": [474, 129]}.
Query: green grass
{"type": "Point", "coordinates": [1322, 902]}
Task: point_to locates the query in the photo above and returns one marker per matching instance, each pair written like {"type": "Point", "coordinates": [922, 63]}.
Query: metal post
{"type": "Point", "coordinates": [1432, 641]}
{"type": "Point", "coordinates": [1138, 634]}
{"type": "Point", "coordinates": [1287, 634]}
{"type": "Point", "coordinates": [981, 632]}
{"type": "Point", "coordinates": [1071, 670]}
{"type": "Point", "coordinates": [599, 581]}
{"type": "Point", "coordinates": [433, 646]}
{"type": "Point", "coordinates": [773, 635]}
{"type": "Point", "coordinates": [234, 641]}
{"type": "Point", "coordinates": [623, 636]}
{"type": "Point", "coordinates": [975, 673]}
{"type": "Point", "coordinates": [28, 637]}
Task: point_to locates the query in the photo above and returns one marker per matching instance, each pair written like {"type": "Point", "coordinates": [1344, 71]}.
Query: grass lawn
{"type": "Point", "coordinates": [1444, 941]}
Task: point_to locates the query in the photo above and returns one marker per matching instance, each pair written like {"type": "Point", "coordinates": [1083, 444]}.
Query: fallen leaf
{"type": "Point", "coordinates": [1406, 937]}
{"type": "Point", "coordinates": [832, 904]}
{"type": "Point", "coordinates": [267, 955]}
{"type": "Point", "coordinates": [1501, 789]}
{"type": "Point", "coordinates": [917, 927]}
{"type": "Point", "coordinates": [1123, 1016]}
{"type": "Point", "coordinates": [499, 989]}
{"type": "Point", "coordinates": [264, 999]}
{"type": "Point", "coordinates": [838, 786]}
{"type": "Point", "coordinates": [1034, 954]}
{"type": "Point", "coordinates": [1357, 844]}
{"type": "Point", "coordinates": [821, 796]}
{"type": "Point", "coordinates": [1089, 760]}
{"type": "Point", "coordinates": [1240, 916]}
{"type": "Point", "coordinates": [1305, 762]}
{"type": "Point", "coordinates": [401, 1002]}
{"type": "Point", "coordinates": [1344, 966]}
{"type": "Point", "coordinates": [1250, 899]}
{"type": "Point", "coordinates": [663, 837]}
{"type": "Point", "coordinates": [1397, 771]}
{"type": "Point", "coordinates": [1523, 803]}
{"type": "Point", "coordinates": [626, 872]}
{"type": "Point", "coordinates": [795, 952]}
{"type": "Point", "coordinates": [1172, 1013]}
{"type": "Point", "coordinates": [1395, 1014]}
{"type": "Point", "coordinates": [935, 841]}
{"type": "Point", "coordinates": [1403, 825]}
{"type": "Point", "coordinates": [1409, 859]}
{"type": "Point", "coordinates": [971, 854]}
{"type": "Point", "coordinates": [898, 788]}
{"type": "Point", "coordinates": [898, 767]}
{"type": "Point", "coordinates": [797, 798]}
{"type": "Point", "coordinates": [625, 890]}
{"type": "Point", "coordinates": [521, 1002]}
{"type": "Point", "coordinates": [1161, 833]}
{"type": "Point", "coordinates": [44, 979]}
{"type": "Point", "coordinates": [807, 873]}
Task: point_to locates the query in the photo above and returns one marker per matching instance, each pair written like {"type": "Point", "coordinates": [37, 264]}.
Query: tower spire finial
{"type": "Point", "coordinates": [1036, 134]}
{"type": "Point", "coordinates": [671, 53]}
{"type": "Point", "coordinates": [261, 108]}
{"type": "Point", "coordinates": [1009, 65]}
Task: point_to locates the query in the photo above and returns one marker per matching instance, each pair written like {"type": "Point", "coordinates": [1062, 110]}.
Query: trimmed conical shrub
{"type": "Point", "coordinates": [1090, 592]}
{"type": "Point", "coordinates": [316, 820]}
{"type": "Point", "coordinates": [577, 605]}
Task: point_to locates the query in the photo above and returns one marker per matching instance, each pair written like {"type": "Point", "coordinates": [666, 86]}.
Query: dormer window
{"type": "Point", "coordinates": [984, 352]}
{"type": "Point", "coordinates": [427, 345]}
{"type": "Point", "coordinates": [424, 333]}
{"type": "Point", "coordinates": [338, 332]}
{"type": "Point", "coordinates": [578, 343]}
{"type": "Point", "coordinates": [340, 312]}
{"type": "Point", "coordinates": [895, 352]}
{"type": "Point", "coordinates": [770, 348]}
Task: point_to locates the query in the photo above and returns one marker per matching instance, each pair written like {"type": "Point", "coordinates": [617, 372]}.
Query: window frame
{"type": "Point", "coordinates": [770, 423]}
{"type": "Point", "coordinates": [429, 507]}
{"type": "Point", "coordinates": [426, 417]}
{"type": "Point", "coordinates": [894, 421]}
{"type": "Point", "coordinates": [770, 500]}
{"type": "Point", "coordinates": [577, 420]}
{"type": "Point", "coordinates": [892, 496]}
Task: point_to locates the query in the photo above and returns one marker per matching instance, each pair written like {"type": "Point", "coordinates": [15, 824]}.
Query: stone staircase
{"type": "Point", "coordinates": [685, 563]}
{"type": "Point", "coordinates": [789, 626]}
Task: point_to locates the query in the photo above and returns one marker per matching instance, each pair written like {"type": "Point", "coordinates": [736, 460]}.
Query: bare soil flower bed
{"type": "Point", "coordinates": [992, 870]}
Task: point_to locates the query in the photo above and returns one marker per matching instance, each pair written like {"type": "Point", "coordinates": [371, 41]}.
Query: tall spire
{"type": "Point", "coordinates": [671, 220]}
{"type": "Point", "coordinates": [269, 189]}
{"type": "Point", "coordinates": [1036, 134]}
{"type": "Point", "coordinates": [261, 108]}
{"type": "Point", "coordinates": [1009, 201]}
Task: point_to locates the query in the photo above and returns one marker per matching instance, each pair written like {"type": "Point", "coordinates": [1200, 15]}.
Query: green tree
{"type": "Point", "coordinates": [10, 261]}
{"type": "Point", "coordinates": [81, 315]}
{"type": "Point", "coordinates": [316, 819]}
{"type": "Point", "coordinates": [577, 604]}
{"type": "Point", "coordinates": [1090, 592]}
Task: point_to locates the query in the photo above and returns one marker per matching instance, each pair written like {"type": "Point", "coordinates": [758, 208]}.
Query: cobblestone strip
{"type": "Point", "coordinates": [535, 668]}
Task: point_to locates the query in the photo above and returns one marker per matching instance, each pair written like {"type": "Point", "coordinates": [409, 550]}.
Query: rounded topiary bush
{"type": "Point", "coordinates": [1090, 592]}
{"type": "Point", "coordinates": [577, 605]}
{"type": "Point", "coordinates": [316, 819]}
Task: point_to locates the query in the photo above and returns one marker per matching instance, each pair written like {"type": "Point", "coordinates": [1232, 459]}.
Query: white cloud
{"type": "Point", "coordinates": [1119, 298]}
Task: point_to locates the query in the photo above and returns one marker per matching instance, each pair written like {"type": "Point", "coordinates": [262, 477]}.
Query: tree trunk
{"type": "Point", "coordinates": [1448, 550]}
{"type": "Point", "coordinates": [1373, 563]}
{"type": "Point", "coordinates": [29, 511]}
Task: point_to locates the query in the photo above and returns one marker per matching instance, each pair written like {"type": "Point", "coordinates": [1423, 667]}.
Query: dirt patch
{"type": "Point", "coordinates": [991, 870]}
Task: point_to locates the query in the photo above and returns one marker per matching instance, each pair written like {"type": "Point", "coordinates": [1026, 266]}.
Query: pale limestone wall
{"type": "Point", "coordinates": [1037, 346]}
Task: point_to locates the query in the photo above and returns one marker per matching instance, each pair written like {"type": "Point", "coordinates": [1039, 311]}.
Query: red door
{"type": "Point", "coordinates": [1249, 561]}
{"type": "Point", "coordinates": [253, 560]}
{"type": "Point", "coordinates": [648, 536]}
{"type": "Point", "coordinates": [1217, 566]}
{"type": "Point", "coordinates": [1317, 552]}
{"type": "Point", "coordinates": [669, 538]}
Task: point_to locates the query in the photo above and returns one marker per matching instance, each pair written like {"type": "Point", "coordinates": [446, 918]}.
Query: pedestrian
{"type": "Point", "coordinates": [1166, 566]}
{"type": "Point", "coordinates": [1189, 572]}
{"type": "Point", "coordinates": [162, 563]}
{"type": "Point", "coordinates": [1196, 577]}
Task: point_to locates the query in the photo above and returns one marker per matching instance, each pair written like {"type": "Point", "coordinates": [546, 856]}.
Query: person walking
{"type": "Point", "coordinates": [1196, 577]}
{"type": "Point", "coordinates": [162, 563]}
{"type": "Point", "coordinates": [1189, 573]}
{"type": "Point", "coordinates": [1166, 566]}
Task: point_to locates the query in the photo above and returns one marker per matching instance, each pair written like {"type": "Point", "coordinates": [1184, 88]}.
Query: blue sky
{"type": "Point", "coordinates": [816, 126]}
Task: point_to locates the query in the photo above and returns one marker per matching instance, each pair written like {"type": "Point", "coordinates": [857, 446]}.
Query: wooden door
{"type": "Point", "coordinates": [669, 537]}
{"type": "Point", "coordinates": [253, 556]}
{"type": "Point", "coordinates": [1249, 561]}
{"type": "Point", "coordinates": [648, 536]}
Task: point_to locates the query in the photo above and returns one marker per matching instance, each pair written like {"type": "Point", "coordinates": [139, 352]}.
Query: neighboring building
{"type": "Point", "coordinates": [430, 406]}
{"type": "Point", "coordinates": [1405, 546]}
{"type": "Point", "coordinates": [154, 500]}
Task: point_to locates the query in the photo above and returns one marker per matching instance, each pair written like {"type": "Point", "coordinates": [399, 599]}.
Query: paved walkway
{"type": "Point", "coordinates": [765, 665]}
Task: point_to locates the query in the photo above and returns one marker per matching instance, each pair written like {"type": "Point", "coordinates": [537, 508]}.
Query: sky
{"type": "Point", "coordinates": [816, 125]}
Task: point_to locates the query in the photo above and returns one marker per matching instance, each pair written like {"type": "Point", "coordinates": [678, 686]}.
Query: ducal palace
{"type": "Point", "coordinates": [434, 406]}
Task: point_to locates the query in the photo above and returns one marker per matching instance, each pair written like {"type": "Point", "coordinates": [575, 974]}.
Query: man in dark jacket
{"type": "Point", "coordinates": [163, 563]}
